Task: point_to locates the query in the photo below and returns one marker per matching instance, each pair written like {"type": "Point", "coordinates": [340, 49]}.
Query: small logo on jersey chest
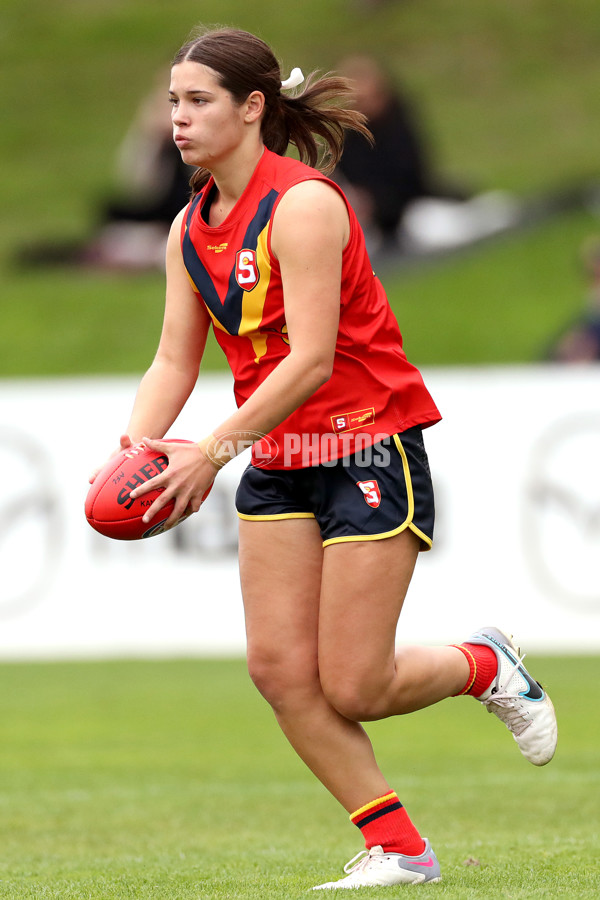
{"type": "Point", "coordinates": [217, 248]}
{"type": "Point", "coordinates": [246, 269]}
{"type": "Point", "coordinates": [371, 492]}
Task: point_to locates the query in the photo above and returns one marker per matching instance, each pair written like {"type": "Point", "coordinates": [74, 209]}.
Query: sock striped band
{"type": "Point", "coordinates": [385, 823]}
{"type": "Point", "coordinates": [375, 809]}
{"type": "Point", "coordinates": [472, 668]}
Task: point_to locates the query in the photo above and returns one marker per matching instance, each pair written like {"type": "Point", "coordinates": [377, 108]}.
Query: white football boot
{"type": "Point", "coordinates": [374, 868]}
{"type": "Point", "coordinates": [518, 699]}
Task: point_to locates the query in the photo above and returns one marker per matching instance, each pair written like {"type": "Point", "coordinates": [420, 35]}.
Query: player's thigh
{"type": "Point", "coordinates": [280, 571]}
{"type": "Point", "coordinates": [363, 589]}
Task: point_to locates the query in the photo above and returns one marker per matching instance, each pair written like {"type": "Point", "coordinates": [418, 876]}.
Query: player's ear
{"type": "Point", "coordinates": [254, 106]}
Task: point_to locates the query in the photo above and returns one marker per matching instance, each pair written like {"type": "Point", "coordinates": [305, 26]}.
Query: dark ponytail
{"type": "Point", "coordinates": [317, 112]}
{"type": "Point", "coordinates": [314, 120]}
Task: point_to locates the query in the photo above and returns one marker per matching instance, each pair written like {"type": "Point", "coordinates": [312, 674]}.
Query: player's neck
{"type": "Point", "coordinates": [231, 181]}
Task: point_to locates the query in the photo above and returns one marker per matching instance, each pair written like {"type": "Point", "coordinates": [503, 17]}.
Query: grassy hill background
{"type": "Point", "coordinates": [507, 93]}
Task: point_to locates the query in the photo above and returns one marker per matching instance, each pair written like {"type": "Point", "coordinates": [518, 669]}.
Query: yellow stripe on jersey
{"type": "Point", "coordinates": [253, 302]}
{"type": "Point", "coordinates": [216, 322]}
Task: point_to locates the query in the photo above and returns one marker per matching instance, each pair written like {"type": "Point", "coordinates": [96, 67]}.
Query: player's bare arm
{"type": "Point", "coordinates": [172, 375]}
{"type": "Point", "coordinates": [170, 378]}
{"type": "Point", "coordinates": [168, 383]}
{"type": "Point", "coordinates": [310, 230]}
{"type": "Point", "coordinates": [309, 234]}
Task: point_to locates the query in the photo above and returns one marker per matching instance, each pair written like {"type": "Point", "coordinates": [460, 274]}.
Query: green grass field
{"type": "Point", "coordinates": [170, 780]}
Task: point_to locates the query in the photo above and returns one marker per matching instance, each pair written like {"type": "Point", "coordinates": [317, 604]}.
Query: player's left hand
{"type": "Point", "coordinates": [124, 444]}
{"type": "Point", "coordinates": [187, 480]}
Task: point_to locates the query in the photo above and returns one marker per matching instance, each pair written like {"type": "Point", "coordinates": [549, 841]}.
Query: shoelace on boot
{"type": "Point", "coordinates": [357, 862]}
{"type": "Point", "coordinates": [508, 709]}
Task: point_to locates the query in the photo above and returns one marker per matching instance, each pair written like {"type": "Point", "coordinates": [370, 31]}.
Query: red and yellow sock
{"type": "Point", "coordinates": [385, 822]}
{"type": "Point", "coordinates": [483, 668]}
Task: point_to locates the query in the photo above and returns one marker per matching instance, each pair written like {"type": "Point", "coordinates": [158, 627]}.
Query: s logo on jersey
{"type": "Point", "coordinates": [371, 492]}
{"type": "Point", "coordinates": [246, 269]}
{"type": "Point", "coordinates": [353, 420]}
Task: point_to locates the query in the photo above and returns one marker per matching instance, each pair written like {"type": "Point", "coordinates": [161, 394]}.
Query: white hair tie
{"type": "Point", "coordinates": [296, 78]}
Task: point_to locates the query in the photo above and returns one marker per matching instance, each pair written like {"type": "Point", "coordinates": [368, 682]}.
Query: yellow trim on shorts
{"type": "Point", "coordinates": [408, 523]}
{"type": "Point", "coordinates": [384, 534]}
{"type": "Point", "coordinates": [276, 517]}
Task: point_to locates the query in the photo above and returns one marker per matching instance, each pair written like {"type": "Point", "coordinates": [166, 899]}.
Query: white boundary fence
{"type": "Point", "coordinates": [516, 464]}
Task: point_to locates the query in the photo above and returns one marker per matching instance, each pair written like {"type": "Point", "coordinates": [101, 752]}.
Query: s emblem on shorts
{"type": "Point", "coordinates": [246, 269]}
{"type": "Point", "coordinates": [371, 492]}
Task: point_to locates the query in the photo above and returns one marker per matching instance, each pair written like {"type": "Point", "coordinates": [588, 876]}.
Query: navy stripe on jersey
{"type": "Point", "coordinates": [228, 312]}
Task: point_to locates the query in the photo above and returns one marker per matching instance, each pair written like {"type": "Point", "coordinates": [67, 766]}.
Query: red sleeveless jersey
{"type": "Point", "coordinates": [373, 391]}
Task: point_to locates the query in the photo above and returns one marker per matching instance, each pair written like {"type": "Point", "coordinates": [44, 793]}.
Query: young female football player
{"type": "Point", "coordinates": [337, 502]}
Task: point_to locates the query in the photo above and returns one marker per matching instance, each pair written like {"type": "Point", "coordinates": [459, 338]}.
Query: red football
{"type": "Point", "coordinates": [109, 508]}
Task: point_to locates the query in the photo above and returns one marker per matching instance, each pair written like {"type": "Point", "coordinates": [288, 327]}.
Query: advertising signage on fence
{"type": "Point", "coordinates": [515, 466]}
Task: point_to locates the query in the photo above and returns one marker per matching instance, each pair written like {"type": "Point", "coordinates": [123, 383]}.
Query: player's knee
{"type": "Point", "coordinates": [278, 678]}
{"type": "Point", "coordinates": [265, 675]}
{"type": "Point", "coordinates": [355, 701]}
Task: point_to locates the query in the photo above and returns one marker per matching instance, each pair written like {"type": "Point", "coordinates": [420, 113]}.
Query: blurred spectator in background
{"type": "Point", "coordinates": [382, 180]}
{"type": "Point", "coordinates": [403, 206]}
{"type": "Point", "coordinates": [580, 342]}
{"type": "Point", "coordinates": [152, 187]}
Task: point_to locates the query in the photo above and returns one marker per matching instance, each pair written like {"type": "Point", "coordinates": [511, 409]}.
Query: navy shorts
{"type": "Point", "coordinates": [375, 494]}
